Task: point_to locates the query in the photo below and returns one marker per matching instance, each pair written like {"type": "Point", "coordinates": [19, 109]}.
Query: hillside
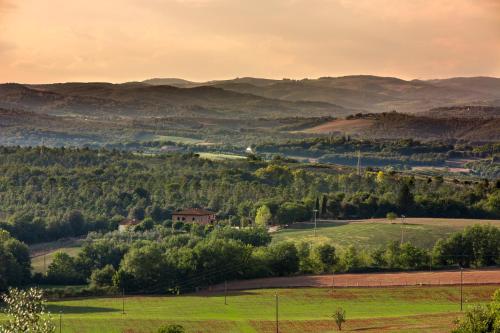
{"type": "Point", "coordinates": [396, 125]}
{"type": "Point", "coordinates": [136, 100]}
{"type": "Point", "coordinates": [249, 110]}
{"type": "Point", "coordinates": [365, 92]}
{"type": "Point", "coordinates": [464, 111]}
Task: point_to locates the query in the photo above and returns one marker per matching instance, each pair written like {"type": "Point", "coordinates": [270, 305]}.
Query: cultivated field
{"type": "Point", "coordinates": [342, 125]}
{"type": "Point", "coordinates": [431, 278]}
{"type": "Point", "coordinates": [403, 309]}
{"type": "Point", "coordinates": [372, 233]}
{"type": "Point", "coordinates": [220, 156]}
{"type": "Point", "coordinates": [176, 139]}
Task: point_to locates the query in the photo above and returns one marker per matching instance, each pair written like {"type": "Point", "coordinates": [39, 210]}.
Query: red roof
{"type": "Point", "coordinates": [194, 211]}
{"type": "Point", "coordinates": [129, 222]}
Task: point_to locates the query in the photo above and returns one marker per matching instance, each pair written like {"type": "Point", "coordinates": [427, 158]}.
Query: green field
{"type": "Point", "coordinates": [370, 234]}
{"type": "Point", "coordinates": [39, 263]}
{"type": "Point", "coordinates": [408, 309]}
{"type": "Point", "coordinates": [220, 156]}
{"type": "Point", "coordinates": [43, 253]}
{"type": "Point", "coordinates": [176, 139]}
{"type": "Point", "coordinates": [366, 235]}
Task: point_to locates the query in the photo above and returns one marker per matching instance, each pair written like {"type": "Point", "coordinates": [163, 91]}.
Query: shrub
{"type": "Point", "coordinates": [171, 329]}
{"type": "Point", "coordinates": [391, 216]}
{"type": "Point", "coordinates": [339, 317]}
{"type": "Point", "coordinates": [102, 277]}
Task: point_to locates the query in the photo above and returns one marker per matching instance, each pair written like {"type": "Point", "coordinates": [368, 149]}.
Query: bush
{"type": "Point", "coordinates": [171, 329]}
{"type": "Point", "coordinates": [102, 277]}
{"type": "Point", "coordinates": [482, 319]}
{"type": "Point", "coordinates": [391, 216]}
{"type": "Point", "coordinates": [63, 270]}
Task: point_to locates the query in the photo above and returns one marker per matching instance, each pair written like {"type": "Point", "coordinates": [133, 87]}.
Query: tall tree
{"type": "Point", "coordinates": [324, 205]}
{"type": "Point", "coordinates": [263, 216]}
{"type": "Point", "coordinates": [405, 199]}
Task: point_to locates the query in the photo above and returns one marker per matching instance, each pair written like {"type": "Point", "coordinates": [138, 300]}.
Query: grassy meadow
{"type": "Point", "coordinates": [397, 309]}
{"type": "Point", "coordinates": [39, 263]}
{"type": "Point", "coordinates": [220, 156]}
{"type": "Point", "coordinates": [42, 254]}
{"type": "Point", "coordinates": [370, 234]}
{"type": "Point", "coordinates": [171, 138]}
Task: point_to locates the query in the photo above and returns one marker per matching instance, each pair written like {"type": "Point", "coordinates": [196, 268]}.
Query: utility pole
{"type": "Point", "coordinates": [359, 163]}
{"type": "Point", "coordinates": [45, 263]}
{"type": "Point", "coordinates": [225, 292]}
{"type": "Point", "coordinates": [461, 287]}
{"type": "Point", "coordinates": [277, 322]}
{"type": "Point", "coordinates": [315, 211]}
{"type": "Point", "coordinates": [123, 301]}
{"type": "Point", "coordinates": [402, 228]}
{"type": "Point", "coordinates": [60, 321]}
{"type": "Point", "coordinates": [333, 281]}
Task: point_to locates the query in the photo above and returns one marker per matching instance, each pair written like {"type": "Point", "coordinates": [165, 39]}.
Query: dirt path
{"type": "Point", "coordinates": [486, 276]}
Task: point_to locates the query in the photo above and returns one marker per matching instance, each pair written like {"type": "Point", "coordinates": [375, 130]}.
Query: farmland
{"type": "Point", "coordinates": [403, 309]}
{"type": "Point", "coordinates": [176, 139]}
{"type": "Point", "coordinates": [220, 156]}
{"type": "Point", "coordinates": [372, 233]}
{"type": "Point", "coordinates": [365, 234]}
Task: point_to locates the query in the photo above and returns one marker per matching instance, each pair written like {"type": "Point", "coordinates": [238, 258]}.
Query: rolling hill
{"type": "Point", "coordinates": [250, 109]}
{"type": "Point", "coordinates": [395, 125]}
{"type": "Point", "coordinates": [142, 100]}
{"type": "Point", "coordinates": [365, 92]}
{"type": "Point", "coordinates": [464, 111]}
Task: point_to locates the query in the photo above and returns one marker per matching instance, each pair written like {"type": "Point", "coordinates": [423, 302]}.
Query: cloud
{"type": "Point", "coordinates": [5, 5]}
{"type": "Point", "coordinates": [122, 40]}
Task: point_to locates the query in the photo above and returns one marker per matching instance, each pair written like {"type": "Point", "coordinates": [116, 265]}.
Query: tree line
{"type": "Point", "coordinates": [159, 261]}
{"type": "Point", "coordinates": [50, 193]}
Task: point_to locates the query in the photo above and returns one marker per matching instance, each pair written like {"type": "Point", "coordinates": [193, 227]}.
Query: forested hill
{"type": "Point", "coordinates": [365, 92]}
{"type": "Point", "coordinates": [393, 125]}
{"type": "Point", "coordinates": [47, 194]}
{"type": "Point", "coordinates": [105, 100]}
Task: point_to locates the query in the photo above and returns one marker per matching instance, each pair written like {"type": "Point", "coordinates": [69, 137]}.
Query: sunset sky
{"type": "Point", "coordinates": [125, 40]}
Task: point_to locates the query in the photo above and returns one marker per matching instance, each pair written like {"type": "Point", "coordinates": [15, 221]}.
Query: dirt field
{"type": "Point", "coordinates": [343, 125]}
{"type": "Point", "coordinates": [470, 277]}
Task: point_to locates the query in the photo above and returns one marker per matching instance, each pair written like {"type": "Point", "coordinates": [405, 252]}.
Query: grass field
{"type": "Point", "coordinates": [220, 157]}
{"type": "Point", "coordinates": [403, 309]}
{"type": "Point", "coordinates": [38, 265]}
{"type": "Point", "coordinates": [42, 254]}
{"type": "Point", "coordinates": [176, 139]}
{"type": "Point", "coordinates": [369, 234]}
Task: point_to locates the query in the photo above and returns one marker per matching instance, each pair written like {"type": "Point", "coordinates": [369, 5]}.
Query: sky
{"type": "Point", "coordinates": [127, 40]}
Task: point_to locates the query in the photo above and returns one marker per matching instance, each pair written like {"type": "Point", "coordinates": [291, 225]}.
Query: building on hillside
{"type": "Point", "coordinates": [194, 215]}
{"type": "Point", "coordinates": [127, 224]}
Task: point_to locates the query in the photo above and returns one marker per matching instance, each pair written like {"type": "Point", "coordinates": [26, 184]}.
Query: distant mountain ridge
{"type": "Point", "coordinates": [249, 97]}
{"type": "Point", "coordinates": [366, 92]}
{"type": "Point", "coordinates": [457, 108]}
{"type": "Point", "coordinates": [142, 100]}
